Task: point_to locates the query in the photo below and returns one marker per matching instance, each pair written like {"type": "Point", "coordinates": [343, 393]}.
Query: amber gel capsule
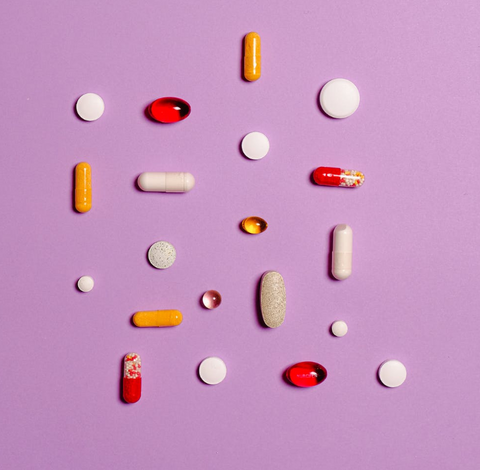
{"type": "Point", "coordinates": [157, 318]}
{"type": "Point", "coordinates": [83, 187]}
{"type": "Point", "coordinates": [252, 61]}
{"type": "Point", "coordinates": [254, 225]}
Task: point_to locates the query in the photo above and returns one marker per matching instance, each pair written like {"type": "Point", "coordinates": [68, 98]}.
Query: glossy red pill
{"type": "Point", "coordinates": [328, 176]}
{"type": "Point", "coordinates": [168, 110]}
{"type": "Point", "coordinates": [132, 378]}
{"type": "Point", "coordinates": [306, 374]}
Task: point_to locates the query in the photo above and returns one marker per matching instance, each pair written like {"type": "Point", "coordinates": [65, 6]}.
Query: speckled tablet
{"type": "Point", "coordinates": [273, 299]}
{"type": "Point", "coordinates": [162, 255]}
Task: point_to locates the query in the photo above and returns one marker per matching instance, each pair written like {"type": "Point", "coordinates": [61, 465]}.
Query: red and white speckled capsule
{"type": "Point", "coordinates": [132, 378]}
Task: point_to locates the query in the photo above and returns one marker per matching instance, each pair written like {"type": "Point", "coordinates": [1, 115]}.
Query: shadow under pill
{"type": "Point", "coordinates": [258, 306]}
{"type": "Point", "coordinates": [330, 255]}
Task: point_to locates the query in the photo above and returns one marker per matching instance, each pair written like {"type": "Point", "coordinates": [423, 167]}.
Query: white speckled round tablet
{"type": "Point", "coordinates": [212, 370]}
{"type": "Point", "coordinates": [339, 98]}
{"type": "Point", "coordinates": [392, 373]}
{"type": "Point", "coordinates": [90, 107]}
{"type": "Point", "coordinates": [339, 328]}
{"type": "Point", "coordinates": [162, 255]}
{"type": "Point", "coordinates": [255, 145]}
{"type": "Point", "coordinates": [85, 284]}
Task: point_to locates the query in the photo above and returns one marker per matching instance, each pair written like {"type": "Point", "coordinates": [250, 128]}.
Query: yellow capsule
{"type": "Point", "coordinates": [83, 187]}
{"type": "Point", "coordinates": [252, 61]}
{"type": "Point", "coordinates": [157, 318]}
{"type": "Point", "coordinates": [254, 225]}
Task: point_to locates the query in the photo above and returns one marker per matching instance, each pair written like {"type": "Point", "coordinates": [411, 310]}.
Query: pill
{"type": "Point", "coordinates": [339, 98]}
{"type": "Point", "coordinates": [254, 225]}
{"type": "Point", "coordinates": [392, 373]}
{"type": "Point", "coordinates": [90, 107]}
{"type": "Point", "coordinates": [339, 328]}
{"type": "Point", "coordinates": [255, 145]}
{"type": "Point", "coordinates": [306, 374]}
{"type": "Point", "coordinates": [211, 299]}
{"type": "Point", "coordinates": [252, 60]}
{"type": "Point", "coordinates": [157, 318]}
{"type": "Point", "coordinates": [273, 300]}
{"type": "Point", "coordinates": [342, 252]}
{"type": "Point", "coordinates": [166, 182]}
{"type": "Point", "coordinates": [85, 284]}
{"type": "Point", "coordinates": [83, 187]}
{"type": "Point", "coordinates": [168, 110]}
{"type": "Point", "coordinates": [327, 176]}
{"type": "Point", "coordinates": [162, 255]}
{"type": "Point", "coordinates": [212, 370]}
{"type": "Point", "coordinates": [132, 378]}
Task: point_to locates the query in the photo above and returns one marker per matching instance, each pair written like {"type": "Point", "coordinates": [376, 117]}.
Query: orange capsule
{"type": "Point", "coordinates": [252, 60]}
{"type": "Point", "coordinates": [83, 187]}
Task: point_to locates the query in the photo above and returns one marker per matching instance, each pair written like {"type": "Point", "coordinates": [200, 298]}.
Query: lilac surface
{"type": "Point", "coordinates": [414, 292]}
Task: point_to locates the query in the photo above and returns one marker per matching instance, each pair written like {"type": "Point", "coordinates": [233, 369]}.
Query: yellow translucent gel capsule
{"type": "Point", "coordinates": [83, 187]}
{"type": "Point", "coordinates": [157, 318]}
{"type": "Point", "coordinates": [254, 225]}
{"type": "Point", "coordinates": [252, 60]}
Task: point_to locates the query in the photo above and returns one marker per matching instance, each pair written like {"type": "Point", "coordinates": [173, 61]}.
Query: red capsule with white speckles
{"type": "Point", "coordinates": [132, 378]}
{"type": "Point", "coordinates": [328, 176]}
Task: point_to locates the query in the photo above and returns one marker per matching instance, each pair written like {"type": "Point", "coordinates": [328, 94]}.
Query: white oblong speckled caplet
{"type": "Point", "coordinates": [273, 299]}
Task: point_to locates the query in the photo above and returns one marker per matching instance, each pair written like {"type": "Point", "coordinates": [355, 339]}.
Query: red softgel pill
{"type": "Point", "coordinates": [306, 374]}
{"type": "Point", "coordinates": [168, 110]}
{"type": "Point", "coordinates": [132, 378]}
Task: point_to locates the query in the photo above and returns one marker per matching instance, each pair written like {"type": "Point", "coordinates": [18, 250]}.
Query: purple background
{"type": "Point", "coordinates": [414, 294]}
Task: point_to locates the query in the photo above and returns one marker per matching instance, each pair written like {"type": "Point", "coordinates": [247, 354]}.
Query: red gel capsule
{"type": "Point", "coordinates": [168, 110]}
{"type": "Point", "coordinates": [306, 374]}
{"type": "Point", "coordinates": [327, 176]}
{"type": "Point", "coordinates": [132, 378]}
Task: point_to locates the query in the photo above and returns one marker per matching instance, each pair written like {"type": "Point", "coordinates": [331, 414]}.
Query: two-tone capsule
{"type": "Point", "coordinates": [166, 181]}
{"type": "Point", "coordinates": [252, 60]}
{"type": "Point", "coordinates": [83, 187]}
{"type": "Point", "coordinates": [342, 252]}
{"type": "Point", "coordinates": [132, 378]}
{"type": "Point", "coordinates": [157, 318]}
{"type": "Point", "coordinates": [328, 176]}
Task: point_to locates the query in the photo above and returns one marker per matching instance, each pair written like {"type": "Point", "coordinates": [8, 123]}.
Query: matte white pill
{"type": "Point", "coordinates": [85, 284]}
{"type": "Point", "coordinates": [392, 373]}
{"type": "Point", "coordinates": [342, 252]}
{"type": "Point", "coordinates": [212, 370]}
{"type": "Point", "coordinates": [162, 255]}
{"type": "Point", "coordinates": [339, 328]}
{"type": "Point", "coordinates": [339, 98]}
{"type": "Point", "coordinates": [90, 107]}
{"type": "Point", "coordinates": [166, 182]}
{"type": "Point", "coordinates": [255, 145]}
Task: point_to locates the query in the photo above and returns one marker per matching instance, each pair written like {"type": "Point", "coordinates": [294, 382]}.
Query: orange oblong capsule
{"type": "Point", "coordinates": [83, 187]}
{"type": "Point", "coordinates": [157, 318]}
{"type": "Point", "coordinates": [252, 60]}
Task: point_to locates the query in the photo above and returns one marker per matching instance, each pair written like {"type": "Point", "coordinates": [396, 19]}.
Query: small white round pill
{"type": "Point", "coordinates": [90, 107]}
{"type": "Point", "coordinates": [392, 373]}
{"type": "Point", "coordinates": [212, 370]}
{"type": "Point", "coordinates": [339, 328]}
{"type": "Point", "coordinates": [85, 284]}
{"type": "Point", "coordinates": [162, 255]}
{"type": "Point", "coordinates": [339, 98]}
{"type": "Point", "coordinates": [255, 145]}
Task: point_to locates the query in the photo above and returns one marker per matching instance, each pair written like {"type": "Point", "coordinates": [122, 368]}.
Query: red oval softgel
{"type": "Point", "coordinates": [168, 110]}
{"type": "Point", "coordinates": [306, 374]}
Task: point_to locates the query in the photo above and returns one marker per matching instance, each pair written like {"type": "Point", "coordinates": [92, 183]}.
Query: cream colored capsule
{"type": "Point", "coordinates": [157, 318]}
{"type": "Point", "coordinates": [273, 300]}
{"type": "Point", "coordinates": [252, 60]}
{"type": "Point", "coordinates": [342, 252]}
{"type": "Point", "coordinates": [83, 187]}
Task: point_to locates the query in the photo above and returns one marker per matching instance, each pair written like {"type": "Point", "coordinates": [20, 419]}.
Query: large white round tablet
{"type": "Point", "coordinates": [339, 98]}
{"type": "Point", "coordinates": [90, 107]}
{"type": "Point", "coordinates": [85, 284]}
{"type": "Point", "coordinates": [255, 145]}
{"type": "Point", "coordinates": [212, 370]}
{"type": "Point", "coordinates": [162, 255]}
{"type": "Point", "coordinates": [392, 373]}
{"type": "Point", "coordinates": [339, 328]}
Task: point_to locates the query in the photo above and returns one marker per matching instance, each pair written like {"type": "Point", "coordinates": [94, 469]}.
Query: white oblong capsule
{"type": "Point", "coordinates": [342, 252]}
{"type": "Point", "coordinates": [166, 181]}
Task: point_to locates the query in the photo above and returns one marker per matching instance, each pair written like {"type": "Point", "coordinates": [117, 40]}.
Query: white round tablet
{"type": "Point", "coordinates": [162, 255]}
{"type": "Point", "coordinates": [90, 107]}
{"type": "Point", "coordinates": [339, 328]}
{"type": "Point", "coordinates": [255, 145]}
{"type": "Point", "coordinates": [85, 284]}
{"type": "Point", "coordinates": [392, 373]}
{"type": "Point", "coordinates": [339, 98]}
{"type": "Point", "coordinates": [212, 370]}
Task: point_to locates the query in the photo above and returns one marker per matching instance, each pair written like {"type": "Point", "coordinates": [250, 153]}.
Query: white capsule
{"type": "Point", "coordinates": [166, 182]}
{"type": "Point", "coordinates": [342, 252]}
